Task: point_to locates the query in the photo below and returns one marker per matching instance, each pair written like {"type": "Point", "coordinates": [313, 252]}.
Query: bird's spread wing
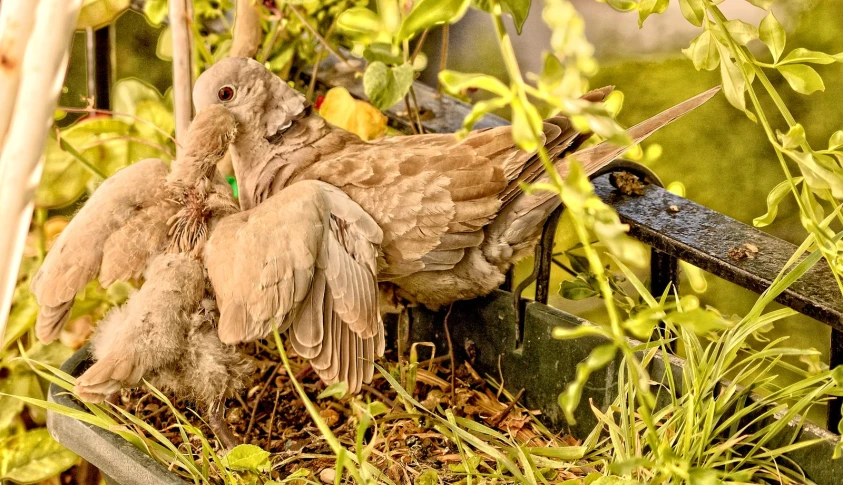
{"type": "Point", "coordinates": [306, 258]}
{"type": "Point", "coordinates": [113, 235]}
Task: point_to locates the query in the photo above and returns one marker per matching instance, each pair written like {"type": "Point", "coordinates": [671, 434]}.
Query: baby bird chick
{"type": "Point", "coordinates": [166, 331]}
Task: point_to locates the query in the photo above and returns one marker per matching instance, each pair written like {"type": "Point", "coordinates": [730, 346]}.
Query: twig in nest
{"type": "Point", "coordinates": [258, 399]}
{"type": "Point", "coordinates": [323, 40]}
{"type": "Point", "coordinates": [500, 374]}
{"type": "Point", "coordinates": [497, 418]}
{"type": "Point", "coordinates": [272, 419]}
{"type": "Point", "coordinates": [416, 110]}
{"type": "Point", "coordinates": [371, 390]}
{"type": "Point", "coordinates": [443, 55]}
{"type": "Point", "coordinates": [451, 357]}
{"type": "Point", "coordinates": [410, 114]}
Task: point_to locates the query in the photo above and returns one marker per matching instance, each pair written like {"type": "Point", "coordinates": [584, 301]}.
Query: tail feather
{"type": "Point", "coordinates": [51, 320]}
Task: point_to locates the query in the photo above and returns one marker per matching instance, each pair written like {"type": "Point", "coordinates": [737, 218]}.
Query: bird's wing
{"type": "Point", "coordinates": [306, 258]}
{"type": "Point", "coordinates": [123, 208]}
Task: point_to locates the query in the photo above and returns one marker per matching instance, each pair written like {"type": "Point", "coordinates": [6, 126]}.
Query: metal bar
{"type": "Point", "coordinates": [101, 61]}
{"type": "Point", "coordinates": [544, 256]}
{"type": "Point", "coordinates": [835, 358]}
{"type": "Point", "coordinates": [717, 244]}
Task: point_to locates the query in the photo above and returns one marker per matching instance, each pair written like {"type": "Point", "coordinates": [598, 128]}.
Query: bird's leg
{"type": "Point", "coordinates": [216, 420]}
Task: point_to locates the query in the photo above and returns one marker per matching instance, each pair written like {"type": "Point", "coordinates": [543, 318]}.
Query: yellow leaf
{"type": "Point", "coordinates": [359, 117]}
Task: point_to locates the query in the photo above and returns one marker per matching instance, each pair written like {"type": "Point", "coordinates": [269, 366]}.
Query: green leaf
{"type": "Point", "coordinates": [361, 20]}
{"type": "Point", "coordinates": [599, 358]}
{"type": "Point", "coordinates": [699, 320]}
{"type": "Point", "coordinates": [63, 180]}
{"type": "Point", "coordinates": [803, 79]}
{"type": "Point", "coordinates": [457, 81]}
{"type": "Point", "coordinates": [820, 171]}
{"type": "Point", "coordinates": [649, 7]}
{"type": "Point", "coordinates": [693, 10]}
{"type": "Point", "coordinates": [577, 290]}
{"type": "Point", "coordinates": [383, 52]}
{"type": "Point", "coordinates": [703, 52]}
{"type": "Point", "coordinates": [34, 456]}
{"type": "Point", "coordinates": [741, 31]}
{"type": "Point", "coordinates": [613, 480]}
{"type": "Point", "coordinates": [155, 11]}
{"type": "Point", "coordinates": [247, 458]}
{"type": "Point", "coordinates": [794, 137]}
{"type": "Point", "coordinates": [164, 48]}
{"type": "Point", "coordinates": [623, 5]}
{"type": "Point", "coordinates": [128, 94]}
{"type": "Point", "coordinates": [799, 55]}
{"type": "Point", "coordinates": [772, 34]}
{"type": "Point", "coordinates": [385, 85]}
{"type": "Point", "coordinates": [99, 13]}
{"type": "Point", "coordinates": [430, 13]}
{"type": "Point", "coordinates": [429, 477]}
{"type": "Point", "coordinates": [337, 390]}
{"type": "Point", "coordinates": [774, 198]}
{"type": "Point", "coordinates": [836, 140]}
{"type": "Point", "coordinates": [519, 9]}
{"type": "Point", "coordinates": [765, 4]}
{"type": "Point", "coordinates": [695, 277]}
{"type": "Point", "coordinates": [734, 85]}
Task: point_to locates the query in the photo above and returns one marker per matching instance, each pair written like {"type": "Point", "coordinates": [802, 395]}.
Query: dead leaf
{"type": "Point", "coordinates": [359, 117]}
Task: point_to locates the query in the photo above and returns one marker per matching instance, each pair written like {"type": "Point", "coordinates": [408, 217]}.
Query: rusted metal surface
{"type": "Point", "coordinates": [704, 238]}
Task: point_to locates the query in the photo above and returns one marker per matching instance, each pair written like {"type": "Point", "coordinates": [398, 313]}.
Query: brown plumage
{"type": "Point", "coordinates": [145, 220]}
{"type": "Point", "coordinates": [452, 212]}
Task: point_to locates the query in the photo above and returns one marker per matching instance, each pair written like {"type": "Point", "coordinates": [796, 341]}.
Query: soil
{"type": "Point", "coordinates": [268, 413]}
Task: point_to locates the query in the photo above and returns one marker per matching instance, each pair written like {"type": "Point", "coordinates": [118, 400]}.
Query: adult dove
{"type": "Point", "coordinates": [452, 211]}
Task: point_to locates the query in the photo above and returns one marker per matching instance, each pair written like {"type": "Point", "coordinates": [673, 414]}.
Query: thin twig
{"type": "Point", "coordinates": [272, 418]}
{"type": "Point", "coordinates": [116, 113]}
{"type": "Point", "coordinates": [371, 390]}
{"type": "Point", "coordinates": [417, 109]}
{"type": "Point", "coordinates": [410, 114]}
{"type": "Point", "coordinates": [311, 86]}
{"type": "Point", "coordinates": [267, 47]}
{"type": "Point", "coordinates": [496, 419]}
{"type": "Point", "coordinates": [132, 139]}
{"type": "Point", "coordinates": [323, 40]}
{"type": "Point", "coordinates": [419, 46]}
{"type": "Point", "coordinates": [70, 150]}
{"type": "Point", "coordinates": [451, 356]}
{"type": "Point", "coordinates": [443, 54]}
{"type": "Point", "coordinates": [258, 400]}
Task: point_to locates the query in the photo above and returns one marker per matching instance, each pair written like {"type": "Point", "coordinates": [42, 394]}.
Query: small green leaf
{"type": "Point", "coordinates": [794, 137]}
{"type": "Point", "coordinates": [836, 140]}
{"type": "Point", "coordinates": [155, 11]}
{"type": "Point", "coordinates": [457, 81]}
{"type": "Point", "coordinates": [99, 13]}
{"type": "Point", "coordinates": [383, 52]}
{"type": "Point", "coordinates": [34, 456]}
{"type": "Point", "coordinates": [693, 10]}
{"type": "Point", "coordinates": [803, 79]}
{"type": "Point", "coordinates": [703, 52]}
{"type": "Point", "coordinates": [774, 198]}
{"type": "Point", "coordinates": [385, 85]}
{"type": "Point", "coordinates": [599, 358]}
{"type": "Point", "coordinates": [765, 4]}
{"type": "Point", "coordinates": [772, 34]}
{"type": "Point", "coordinates": [800, 55]}
{"type": "Point", "coordinates": [429, 477]}
{"type": "Point", "coordinates": [247, 458]}
{"type": "Point", "coordinates": [519, 9]}
{"type": "Point", "coordinates": [577, 289]}
{"type": "Point", "coordinates": [741, 31]}
{"type": "Point", "coordinates": [649, 7]}
{"type": "Point", "coordinates": [734, 85]}
{"type": "Point", "coordinates": [695, 276]}
{"type": "Point", "coordinates": [164, 48]}
{"type": "Point", "coordinates": [360, 20]}
{"type": "Point", "coordinates": [336, 390]}
{"type": "Point", "coordinates": [430, 13]}
{"type": "Point", "coordinates": [699, 320]}
{"type": "Point", "coordinates": [623, 5]}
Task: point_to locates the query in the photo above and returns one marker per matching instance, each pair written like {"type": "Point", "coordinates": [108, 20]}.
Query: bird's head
{"type": "Point", "coordinates": [260, 101]}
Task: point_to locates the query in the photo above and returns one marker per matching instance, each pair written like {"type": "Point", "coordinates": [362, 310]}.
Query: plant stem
{"type": "Point", "coordinates": [323, 41]}
{"type": "Point", "coordinates": [67, 147]}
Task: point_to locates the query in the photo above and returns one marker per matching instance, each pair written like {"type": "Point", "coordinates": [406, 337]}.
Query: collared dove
{"type": "Point", "coordinates": [452, 211]}
{"type": "Point", "coordinates": [145, 220]}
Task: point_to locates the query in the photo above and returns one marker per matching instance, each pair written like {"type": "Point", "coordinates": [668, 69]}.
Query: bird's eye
{"type": "Point", "coordinates": [226, 93]}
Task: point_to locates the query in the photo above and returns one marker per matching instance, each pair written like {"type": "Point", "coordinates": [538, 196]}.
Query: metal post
{"type": "Point", "coordinates": [835, 358]}
{"type": "Point", "coordinates": [99, 66]}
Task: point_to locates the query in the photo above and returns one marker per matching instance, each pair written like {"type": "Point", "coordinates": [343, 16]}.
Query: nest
{"type": "Point", "coordinates": [406, 444]}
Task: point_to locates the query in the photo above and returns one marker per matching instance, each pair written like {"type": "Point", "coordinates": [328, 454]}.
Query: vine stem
{"type": "Point", "coordinates": [322, 40]}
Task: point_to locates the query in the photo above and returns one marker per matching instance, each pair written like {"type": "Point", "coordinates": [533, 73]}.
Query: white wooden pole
{"type": "Point", "coordinates": [21, 162]}
{"type": "Point", "coordinates": [180, 28]}
{"type": "Point", "coordinates": [16, 20]}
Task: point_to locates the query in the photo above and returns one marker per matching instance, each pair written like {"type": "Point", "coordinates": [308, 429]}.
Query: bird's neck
{"type": "Point", "coordinates": [264, 166]}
